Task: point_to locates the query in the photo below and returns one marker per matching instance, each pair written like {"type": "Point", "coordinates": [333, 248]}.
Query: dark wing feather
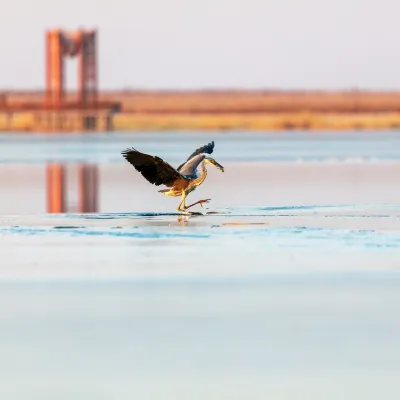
{"type": "Point", "coordinates": [208, 148]}
{"type": "Point", "coordinates": [153, 168]}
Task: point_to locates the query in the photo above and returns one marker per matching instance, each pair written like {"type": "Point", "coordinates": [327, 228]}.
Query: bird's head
{"type": "Point", "coordinates": [211, 161]}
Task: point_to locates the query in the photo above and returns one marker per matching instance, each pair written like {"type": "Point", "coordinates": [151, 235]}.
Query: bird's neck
{"type": "Point", "coordinates": [203, 173]}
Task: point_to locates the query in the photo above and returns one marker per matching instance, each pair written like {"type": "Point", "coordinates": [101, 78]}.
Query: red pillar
{"type": "Point", "coordinates": [54, 68]}
{"type": "Point", "coordinates": [87, 68]}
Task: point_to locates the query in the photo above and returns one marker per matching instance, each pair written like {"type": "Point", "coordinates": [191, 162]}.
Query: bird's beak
{"type": "Point", "coordinates": [219, 166]}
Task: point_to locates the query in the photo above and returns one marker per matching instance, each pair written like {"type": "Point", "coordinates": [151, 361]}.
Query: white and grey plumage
{"type": "Point", "coordinates": [182, 180]}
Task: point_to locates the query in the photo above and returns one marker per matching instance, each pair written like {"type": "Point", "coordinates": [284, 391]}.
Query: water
{"type": "Point", "coordinates": [232, 147]}
{"type": "Point", "coordinates": [289, 288]}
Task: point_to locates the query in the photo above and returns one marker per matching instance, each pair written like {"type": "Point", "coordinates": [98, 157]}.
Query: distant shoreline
{"type": "Point", "coordinates": [220, 110]}
{"type": "Point", "coordinates": [131, 122]}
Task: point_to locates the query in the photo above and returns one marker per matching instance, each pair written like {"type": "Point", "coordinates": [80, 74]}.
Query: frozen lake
{"type": "Point", "coordinates": [247, 241]}
{"type": "Point", "coordinates": [288, 289]}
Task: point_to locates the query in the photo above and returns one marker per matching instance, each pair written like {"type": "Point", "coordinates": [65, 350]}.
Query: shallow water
{"type": "Point", "coordinates": [230, 147]}
{"type": "Point", "coordinates": [288, 289]}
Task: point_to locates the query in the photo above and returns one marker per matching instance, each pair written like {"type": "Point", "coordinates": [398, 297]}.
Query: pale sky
{"type": "Point", "coordinates": [213, 43]}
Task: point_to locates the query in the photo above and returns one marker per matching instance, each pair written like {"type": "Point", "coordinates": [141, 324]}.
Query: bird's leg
{"type": "Point", "coordinates": [182, 202]}
{"type": "Point", "coordinates": [198, 202]}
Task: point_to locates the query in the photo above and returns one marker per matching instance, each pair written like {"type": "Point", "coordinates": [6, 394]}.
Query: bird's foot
{"type": "Point", "coordinates": [201, 202]}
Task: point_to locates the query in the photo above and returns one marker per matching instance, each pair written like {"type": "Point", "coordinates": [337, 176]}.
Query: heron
{"type": "Point", "coordinates": [180, 181]}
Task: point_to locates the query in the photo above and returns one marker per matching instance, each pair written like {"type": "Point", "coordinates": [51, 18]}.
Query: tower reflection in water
{"type": "Point", "coordinates": [59, 190]}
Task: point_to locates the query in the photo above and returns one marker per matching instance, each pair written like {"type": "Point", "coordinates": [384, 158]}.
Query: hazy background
{"type": "Point", "coordinates": [213, 43]}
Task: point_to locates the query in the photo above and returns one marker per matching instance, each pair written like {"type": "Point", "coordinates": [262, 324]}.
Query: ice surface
{"type": "Point", "coordinates": [289, 289]}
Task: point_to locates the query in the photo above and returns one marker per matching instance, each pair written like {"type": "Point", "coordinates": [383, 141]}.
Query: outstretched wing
{"type": "Point", "coordinates": [208, 148]}
{"type": "Point", "coordinates": [153, 168]}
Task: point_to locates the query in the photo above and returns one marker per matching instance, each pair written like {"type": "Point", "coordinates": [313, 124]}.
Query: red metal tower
{"type": "Point", "coordinates": [81, 44]}
{"type": "Point", "coordinates": [57, 112]}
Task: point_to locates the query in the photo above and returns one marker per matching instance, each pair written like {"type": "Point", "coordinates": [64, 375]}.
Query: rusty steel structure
{"type": "Point", "coordinates": [58, 110]}
{"type": "Point", "coordinates": [84, 112]}
{"type": "Point", "coordinates": [60, 45]}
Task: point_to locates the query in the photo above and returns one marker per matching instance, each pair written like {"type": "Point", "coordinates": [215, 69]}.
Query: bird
{"type": "Point", "coordinates": [180, 181]}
